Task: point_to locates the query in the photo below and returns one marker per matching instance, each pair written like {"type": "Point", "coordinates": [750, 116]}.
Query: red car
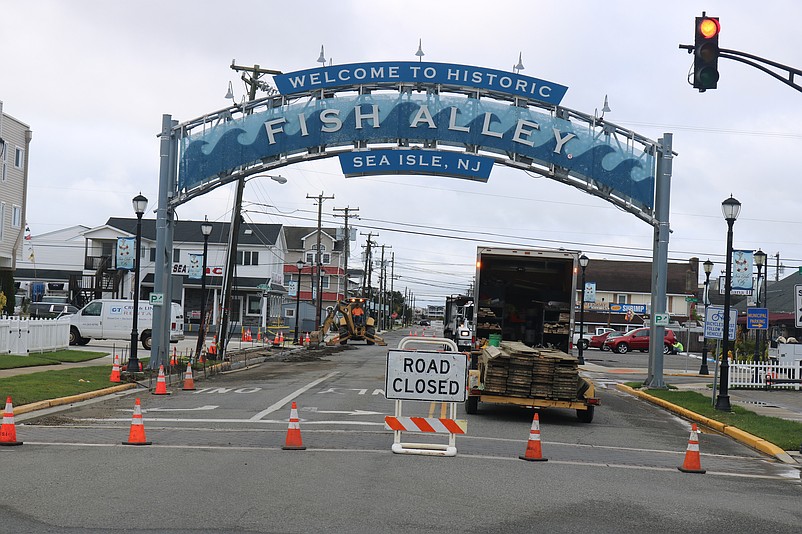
{"type": "Point", "coordinates": [638, 339]}
{"type": "Point", "coordinates": [597, 342]}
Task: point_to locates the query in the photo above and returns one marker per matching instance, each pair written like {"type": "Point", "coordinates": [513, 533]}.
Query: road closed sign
{"type": "Point", "coordinates": [426, 376]}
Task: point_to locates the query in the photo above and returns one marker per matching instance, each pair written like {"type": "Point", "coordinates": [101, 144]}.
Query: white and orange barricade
{"type": "Point", "coordinates": [437, 376]}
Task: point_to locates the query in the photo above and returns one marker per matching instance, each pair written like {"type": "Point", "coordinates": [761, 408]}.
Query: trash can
{"type": "Point", "coordinates": [494, 340]}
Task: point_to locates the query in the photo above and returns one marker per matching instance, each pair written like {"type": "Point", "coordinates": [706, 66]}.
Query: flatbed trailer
{"type": "Point", "coordinates": [583, 399]}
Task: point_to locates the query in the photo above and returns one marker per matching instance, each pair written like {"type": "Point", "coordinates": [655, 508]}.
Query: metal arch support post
{"type": "Point", "coordinates": [660, 260]}
{"type": "Point", "coordinates": [164, 240]}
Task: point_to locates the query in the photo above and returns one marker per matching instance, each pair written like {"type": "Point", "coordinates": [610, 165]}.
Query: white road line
{"type": "Point", "coordinates": [387, 451]}
{"type": "Point", "coordinates": [272, 408]}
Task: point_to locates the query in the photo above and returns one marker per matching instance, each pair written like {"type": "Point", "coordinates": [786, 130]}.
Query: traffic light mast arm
{"type": "Point", "coordinates": [746, 58]}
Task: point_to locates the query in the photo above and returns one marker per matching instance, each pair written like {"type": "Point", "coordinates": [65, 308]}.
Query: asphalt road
{"type": "Point", "coordinates": [216, 464]}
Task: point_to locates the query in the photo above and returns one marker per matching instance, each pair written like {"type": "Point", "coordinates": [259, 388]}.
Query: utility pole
{"type": "Point", "coordinates": [347, 243]}
{"type": "Point", "coordinates": [383, 290]}
{"type": "Point", "coordinates": [251, 76]}
{"type": "Point", "coordinates": [392, 295]}
{"type": "Point", "coordinates": [366, 274]}
{"type": "Point", "coordinates": [317, 280]}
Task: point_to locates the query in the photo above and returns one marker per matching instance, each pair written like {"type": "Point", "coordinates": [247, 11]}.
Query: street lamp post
{"type": "Point", "coordinates": [300, 265]}
{"type": "Point", "coordinates": [730, 208]}
{"type": "Point", "coordinates": [140, 204]}
{"type": "Point", "coordinates": [760, 261]}
{"type": "Point", "coordinates": [708, 266]}
{"type": "Point", "coordinates": [206, 230]}
{"type": "Point", "coordinates": [583, 262]}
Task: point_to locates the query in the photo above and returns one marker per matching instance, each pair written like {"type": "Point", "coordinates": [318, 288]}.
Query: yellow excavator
{"type": "Point", "coordinates": [353, 323]}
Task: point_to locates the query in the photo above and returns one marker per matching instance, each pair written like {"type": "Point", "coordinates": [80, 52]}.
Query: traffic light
{"type": "Point", "coordinates": [705, 53]}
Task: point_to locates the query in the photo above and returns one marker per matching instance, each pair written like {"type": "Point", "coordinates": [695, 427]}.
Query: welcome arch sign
{"type": "Point", "coordinates": [401, 117]}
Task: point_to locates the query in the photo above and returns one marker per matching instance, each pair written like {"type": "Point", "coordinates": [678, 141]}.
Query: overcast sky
{"type": "Point", "coordinates": [93, 78]}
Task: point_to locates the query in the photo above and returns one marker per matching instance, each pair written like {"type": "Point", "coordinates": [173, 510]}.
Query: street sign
{"type": "Point", "coordinates": [157, 299]}
{"type": "Point", "coordinates": [798, 301]}
{"type": "Point", "coordinates": [426, 376]}
{"type": "Point", "coordinates": [757, 318]}
{"type": "Point", "coordinates": [714, 323]}
{"type": "Point", "coordinates": [662, 319]}
{"type": "Point", "coordinates": [691, 299]}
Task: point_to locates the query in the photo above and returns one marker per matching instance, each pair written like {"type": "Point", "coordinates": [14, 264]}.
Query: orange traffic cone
{"type": "Point", "coordinates": [307, 340]}
{"type": "Point", "coordinates": [281, 338]}
{"type": "Point", "coordinates": [259, 335]}
{"type": "Point", "coordinates": [294, 442]}
{"type": "Point", "coordinates": [161, 384]}
{"type": "Point", "coordinates": [533, 451]}
{"type": "Point", "coordinates": [213, 347]}
{"type": "Point", "coordinates": [8, 432]}
{"type": "Point", "coordinates": [693, 462]}
{"type": "Point", "coordinates": [115, 370]}
{"type": "Point", "coordinates": [189, 382]}
{"type": "Point", "coordinates": [136, 436]}
{"type": "Point", "coordinates": [275, 340]}
{"type": "Point", "coordinates": [174, 360]}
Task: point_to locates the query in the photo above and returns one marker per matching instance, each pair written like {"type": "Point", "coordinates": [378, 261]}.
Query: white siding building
{"type": "Point", "coordinates": [15, 138]}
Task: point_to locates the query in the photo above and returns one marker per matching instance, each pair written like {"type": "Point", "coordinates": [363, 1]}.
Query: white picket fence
{"type": "Point", "coordinates": [748, 374]}
{"type": "Point", "coordinates": [24, 336]}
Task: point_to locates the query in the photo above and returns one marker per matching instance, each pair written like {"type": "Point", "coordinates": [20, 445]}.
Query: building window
{"type": "Point", "coordinates": [16, 216]}
{"type": "Point", "coordinates": [152, 253]}
{"type": "Point", "coordinates": [325, 257]}
{"type": "Point", "coordinates": [254, 305]}
{"type": "Point", "coordinates": [247, 257]}
{"type": "Point", "coordinates": [176, 255]}
{"type": "Point", "coordinates": [19, 157]}
{"type": "Point", "coordinates": [2, 219]}
{"type": "Point", "coordinates": [621, 299]}
{"type": "Point", "coordinates": [324, 282]}
{"type": "Point", "coordinates": [289, 312]}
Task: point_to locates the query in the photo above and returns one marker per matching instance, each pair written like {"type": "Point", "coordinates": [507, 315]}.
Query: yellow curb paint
{"type": "Point", "coordinates": [32, 407]}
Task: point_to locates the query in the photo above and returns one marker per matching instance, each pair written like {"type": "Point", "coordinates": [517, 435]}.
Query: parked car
{"type": "Point", "coordinates": [638, 339]}
{"type": "Point", "coordinates": [425, 323]}
{"type": "Point", "coordinates": [50, 310]}
{"type": "Point", "coordinates": [584, 340]}
{"type": "Point", "coordinates": [597, 342]}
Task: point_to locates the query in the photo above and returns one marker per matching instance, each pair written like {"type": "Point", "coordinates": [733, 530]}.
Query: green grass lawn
{"type": "Point", "coordinates": [785, 434]}
{"type": "Point", "coordinates": [45, 385]}
{"type": "Point", "coordinates": [13, 361]}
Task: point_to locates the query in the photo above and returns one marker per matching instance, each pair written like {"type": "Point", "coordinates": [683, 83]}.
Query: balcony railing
{"type": "Point", "coordinates": [99, 263]}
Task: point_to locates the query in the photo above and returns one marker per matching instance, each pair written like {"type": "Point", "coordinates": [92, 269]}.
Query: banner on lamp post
{"type": "Point", "coordinates": [742, 264]}
{"type": "Point", "coordinates": [126, 253]}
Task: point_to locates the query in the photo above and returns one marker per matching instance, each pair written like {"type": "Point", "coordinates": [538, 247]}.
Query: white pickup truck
{"type": "Point", "coordinates": [586, 338]}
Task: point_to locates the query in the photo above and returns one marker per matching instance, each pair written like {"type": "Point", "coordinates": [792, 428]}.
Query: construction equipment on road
{"type": "Point", "coordinates": [353, 323]}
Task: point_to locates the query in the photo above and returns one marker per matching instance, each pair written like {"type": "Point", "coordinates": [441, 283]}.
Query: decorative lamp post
{"type": "Point", "coordinates": [708, 266]}
{"type": "Point", "coordinates": [583, 262]}
{"type": "Point", "coordinates": [299, 265]}
{"type": "Point", "coordinates": [206, 230]}
{"type": "Point", "coordinates": [730, 208]}
{"type": "Point", "coordinates": [140, 204]}
{"type": "Point", "coordinates": [760, 261]}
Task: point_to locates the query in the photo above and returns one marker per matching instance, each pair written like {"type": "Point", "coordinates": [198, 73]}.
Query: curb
{"type": "Point", "coordinates": [41, 405]}
{"type": "Point", "coordinates": [736, 433]}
